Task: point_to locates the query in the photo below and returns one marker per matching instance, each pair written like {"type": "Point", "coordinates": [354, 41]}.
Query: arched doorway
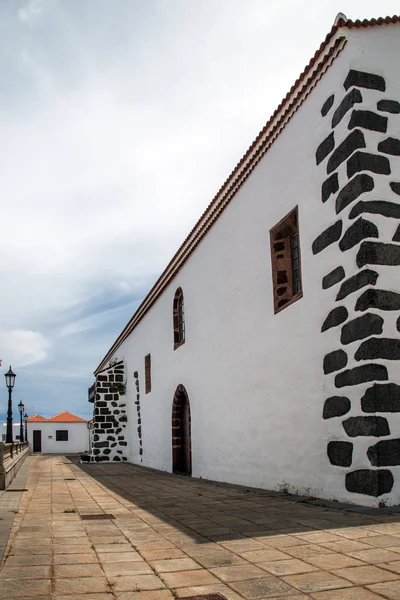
{"type": "Point", "coordinates": [181, 433]}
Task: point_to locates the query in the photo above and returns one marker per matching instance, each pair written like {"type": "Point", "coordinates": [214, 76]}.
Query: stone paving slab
{"type": "Point", "coordinates": [172, 536]}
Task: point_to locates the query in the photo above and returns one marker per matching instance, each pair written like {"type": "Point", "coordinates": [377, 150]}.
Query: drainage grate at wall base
{"type": "Point", "coordinates": [96, 517]}
{"type": "Point", "coordinates": [217, 596]}
{"type": "Point", "coordinates": [17, 490]}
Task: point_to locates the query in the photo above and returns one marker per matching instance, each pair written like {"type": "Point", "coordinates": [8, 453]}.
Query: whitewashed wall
{"type": "Point", "coordinates": [254, 379]}
{"type": "Point", "coordinates": [78, 437]}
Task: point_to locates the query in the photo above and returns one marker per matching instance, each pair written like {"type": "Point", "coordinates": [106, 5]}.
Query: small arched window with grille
{"type": "Point", "coordinates": [179, 319]}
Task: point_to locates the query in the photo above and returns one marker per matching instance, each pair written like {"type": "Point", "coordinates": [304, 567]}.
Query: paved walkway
{"type": "Point", "coordinates": [173, 536]}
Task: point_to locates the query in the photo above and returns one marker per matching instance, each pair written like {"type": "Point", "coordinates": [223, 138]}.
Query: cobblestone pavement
{"type": "Point", "coordinates": [173, 536]}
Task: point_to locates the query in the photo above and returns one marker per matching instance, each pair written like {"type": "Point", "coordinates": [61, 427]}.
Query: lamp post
{"type": "Point", "coordinates": [10, 380]}
{"type": "Point", "coordinates": [26, 426]}
{"type": "Point", "coordinates": [21, 409]}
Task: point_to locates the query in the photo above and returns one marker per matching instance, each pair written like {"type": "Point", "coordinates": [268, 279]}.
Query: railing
{"type": "Point", "coordinates": [10, 450]}
{"type": "Point", "coordinates": [11, 458]}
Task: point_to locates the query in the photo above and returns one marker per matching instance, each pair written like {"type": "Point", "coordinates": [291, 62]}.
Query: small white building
{"type": "Point", "coordinates": [60, 434]}
{"type": "Point", "coordinates": [16, 432]}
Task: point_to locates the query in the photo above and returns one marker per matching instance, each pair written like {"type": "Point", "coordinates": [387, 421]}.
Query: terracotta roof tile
{"type": "Point", "coordinates": [244, 167]}
{"type": "Point", "coordinates": [62, 417]}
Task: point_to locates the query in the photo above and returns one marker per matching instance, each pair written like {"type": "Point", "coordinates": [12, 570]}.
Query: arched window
{"type": "Point", "coordinates": [179, 319]}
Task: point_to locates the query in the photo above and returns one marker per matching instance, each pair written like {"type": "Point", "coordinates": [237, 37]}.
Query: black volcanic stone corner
{"type": "Point", "coordinates": [363, 374]}
{"type": "Point", "coordinates": [390, 106]}
{"type": "Point", "coordinates": [352, 98]}
{"type": "Point", "coordinates": [369, 482]}
{"type": "Point", "coordinates": [378, 253]}
{"type": "Point", "coordinates": [395, 185]}
{"type": "Point", "coordinates": [336, 317]}
{"type": "Point", "coordinates": [333, 278]}
{"type": "Point", "coordinates": [362, 327]}
{"type": "Point", "coordinates": [327, 237]}
{"type": "Point", "coordinates": [385, 348]}
{"type": "Point", "coordinates": [330, 186]}
{"type": "Point", "coordinates": [325, 148]}
{"type": "Point", "coordinates": [327, 105]}
{"type": "Point", "coordinates": [336, 406]}
{"type": "Point", "coordinates": [364, 80]}
{"type": "Point", "coordinates": [334, 361]}
{"type": "Point", "coordinates": [376, 207]}
{"type": "Point", "coordinates": [358, 231]}
{"type": "Point", "coordinates": [385, 453]}
{"type": "Point", "coordinates": [366, 426]}
{"type": "Point", "coordinates": [354, 141]}
{"type": "Point", "coordinates": [365, 161]}
{"type": "Point", "coordinates": [360, 184]}
{"type": "Point", "coordinates": [356, 282]}
{"type": "Point", "coordinates": [382, 299]}
{"type": "Point", "coordinates": [390, 146]}
{"type": "Point", "coordinates": [367, 119]}
{"type": "Point", "coordinates": [396, 237]}
{"type": "Point", "coordinates": [340, 453]}
{"type": "Point", "coordinates": [381, 397]}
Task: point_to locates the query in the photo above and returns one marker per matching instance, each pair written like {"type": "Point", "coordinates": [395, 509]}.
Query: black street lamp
{"type": "Point", "coordinates": [10, 380]}
{"type": "Point", "coordinates": [26, 426]}
{"type": "Point", "coordinates": [21, 409]}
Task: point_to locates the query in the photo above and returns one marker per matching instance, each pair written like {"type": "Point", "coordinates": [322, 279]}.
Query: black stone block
{"type": "Point", "coordinates": [104, 411]}
{"type": "Point", "coordinates": [325, 148]}
{"type": "Point", "coordinates": [382, 299]}
{"type": "Point", "coordinates": [123, 443]}
{"type": "Point", "coordinates": [336, 317]}
{"type": "Point", "coordinates": [360, 184]}
{"type": "Point", "coordinates": [385, 348]}
{"type": "Point", "coordinates": [361, 374]}
{"type": "Point", "coordinates": [376, 207]}
{"type": "Point", "coordinates": [385, 453]}
{"type": "Point", "coordinates": [114, 404]}
{"type": "Point", "coordinates": [116, 458]}
{"type": "Point", "coordinates": [329, 186]}
{"type": "Point", "coordinates": [333, 278]}
{"type": "Point", "coordinates": [101, 444]}
{"type": "Point", "coordinates": [378, 253]}
{"type": "Point", "coordinates": [362, 327]}
{"type": "Point", "coordinates": [336, 406]}
{"type": "Point", "coordinates": [352, 98]}
{"type": "Point", "coordinates": [113, 445]}
{"type": "Point", "coordinates": [111, 438]}
{"type": "Point", "coordinates": [136, 374]}
{"type": "Point", "coordinates": [137, 396]}
{"type": "Point", "coordinates": [395, 185]}
{"type": "Point", "coordinates": [390, 146]}
{"type": "Point", "coordinates": [108, 397]}
{"type": "Point", "coordinates": [119, 378]}
{"type": "Point", "coordinates": [326, 107]}
{"type": "Point", "coordinates": [140, 451]}
{"type": "Point", "coordinates": [381, 397]}
{"type": "Point", "coordinates": [116, 412]}
{"type": "Point", "coordinates": [120, 437]}
{"type": "Point", "coordinates": [340, 453]}
{"type": "Point", "coordinates": [334, 361]}
{"type": "Point", "coordinates": [396, 237]}
{"type": "Point", "coordinates": [96, 451]}
{"type": "Point", "coordinates": [110, 430]}
{"type": "Point", "coordinates": [364, 80]}
{"type": "Point", "coordinates": [118, 430]}
{"type": "Point", "coordinates": [95, 437]}
{"type": "Point", "coordinates": [101, 404]}
{"type": "Point", "coordinates": [101, 377]}
{"type": "Point", "coordinates": [368, 120]}
{"type": "Point", "coordinates": [364, 161]}
{"type": "Point", "coordinates": [356, 282]}
{"type": "Point", "coordinates": [108, 425]}
{"type": "Point", "coordinates": [366, 426]}
{"type": "Point", "coordinates": [369, 482]}
{"type": "Point", "coordinates": [390, 106]}
{"type": "Point", "coordinates": [124, 458]}
{"type": "Point", "coordinates": [358, 231]}
{"type": "Point", "coordinates": [354, 141]}
{"type": "Point", "coordinates": [327, 237]}
{"type": "Point", "coordinates": [107, 451]}
{"type": "Point", "coordinates": [100, 430]}
{"type": "Point", "coordinates": [99, 419]}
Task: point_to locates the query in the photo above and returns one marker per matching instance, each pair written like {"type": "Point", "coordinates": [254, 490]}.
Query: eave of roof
{"type": "Point", "coordinates": [327, 51]}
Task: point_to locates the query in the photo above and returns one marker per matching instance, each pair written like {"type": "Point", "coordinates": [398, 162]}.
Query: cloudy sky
{"type": "Point", "coordinates": [119, 120]}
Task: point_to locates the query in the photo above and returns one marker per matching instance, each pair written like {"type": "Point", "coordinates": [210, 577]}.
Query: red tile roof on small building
{"type": "Point", "coordinates": [62, 417]}
{"type": "Point", "coordinates": [319, 63]}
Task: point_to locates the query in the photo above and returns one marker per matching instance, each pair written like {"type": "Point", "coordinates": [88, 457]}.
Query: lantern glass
{"type": "Point", "coordinates": [21, 407]}
{"type": "Point", "coordinates": [10, 378]}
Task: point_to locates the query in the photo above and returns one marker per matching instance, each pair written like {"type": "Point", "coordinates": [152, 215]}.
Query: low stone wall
{"type": "Point", "coordinates": [12, 457]}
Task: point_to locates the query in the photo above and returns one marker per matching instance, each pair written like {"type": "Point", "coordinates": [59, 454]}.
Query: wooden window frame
{"type": "Point", "coordinates": [63, 431]}
{"type": "Point", "coordinates": [147, 373]}
{"type": "Point", "coordinates": [179, 318]}
{"type": "Point", "coordinates": [283, 263]}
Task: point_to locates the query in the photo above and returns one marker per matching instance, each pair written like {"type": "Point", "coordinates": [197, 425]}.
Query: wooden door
{"type": "Point", "coordinates": [37, 440]}
{"type": "Point", "coordinates": [186, 439]}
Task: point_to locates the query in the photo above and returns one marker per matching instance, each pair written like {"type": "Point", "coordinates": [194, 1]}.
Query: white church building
{"type": "Point", "coordinates": [267, 353]}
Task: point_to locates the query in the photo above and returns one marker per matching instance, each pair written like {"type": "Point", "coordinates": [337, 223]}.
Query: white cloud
{"type": "Point", "coordinates": [21, 347]}
{"type": "Point", "coordinates": [32, 11]}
